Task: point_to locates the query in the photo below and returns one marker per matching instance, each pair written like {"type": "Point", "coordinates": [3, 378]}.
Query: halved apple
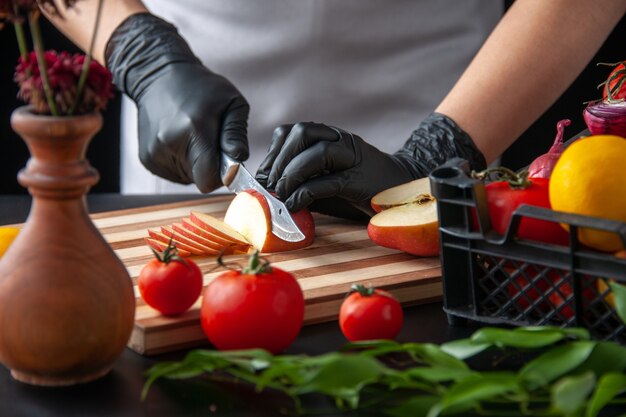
{"type": "Point", "coordinates": [416, 191]}
{"type": "Point", "coordinates": [249, 214]}
{"type": "Point", "coordinates": [407, 220]}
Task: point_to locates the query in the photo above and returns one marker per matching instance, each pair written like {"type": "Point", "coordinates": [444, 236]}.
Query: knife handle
{"type": "Point", "coordinates": [228, 169]}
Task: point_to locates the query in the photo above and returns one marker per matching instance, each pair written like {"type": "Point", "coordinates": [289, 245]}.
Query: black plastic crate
{"type": "Point", "coordinates": [500, 279]}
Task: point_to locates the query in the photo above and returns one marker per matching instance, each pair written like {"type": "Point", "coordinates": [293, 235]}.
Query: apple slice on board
{"type": "Point", "coordinates": [249, 214]}
{"type": "Point", "coordinates": [160, 246]}
{"type": "Point", "coordinates": [206, 250]}
{"type": "Point", "coordinates": [224, 245]}
{"type": "Point", "coordinates": [160, 237]}
{"type": "Point", "coordinates": [407, 219]}
{"type": "Point", "coordinates": [218, 227]}
{"type": "Point", "coordinates": [200, 231]}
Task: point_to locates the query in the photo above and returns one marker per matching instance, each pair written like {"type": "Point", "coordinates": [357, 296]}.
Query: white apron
{"type": "Point", "coordinates": [373, 67]}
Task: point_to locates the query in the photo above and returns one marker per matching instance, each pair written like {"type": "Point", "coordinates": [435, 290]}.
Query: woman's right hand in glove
{"type": "Point", "coordinates": [188, 115]}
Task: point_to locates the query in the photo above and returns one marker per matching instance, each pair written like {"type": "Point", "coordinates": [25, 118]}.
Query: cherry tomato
{"type": "Point", "coordinates": [169, 283]}
{"type": "Point", "coordinates": [259, 307]}
{"type": "Point", "coordinates": [369, 314]}
{"type": "Point", "coordinates": [616, 82]}
{"type": "Point", "coordinates": [503, 200]}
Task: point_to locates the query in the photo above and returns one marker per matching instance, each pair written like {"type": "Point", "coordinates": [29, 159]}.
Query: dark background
{"type": "Point", "coordinates": [103, 152]}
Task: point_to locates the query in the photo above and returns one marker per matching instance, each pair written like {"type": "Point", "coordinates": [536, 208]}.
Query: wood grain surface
{"type": "Point", "coordinates": [341, 255]}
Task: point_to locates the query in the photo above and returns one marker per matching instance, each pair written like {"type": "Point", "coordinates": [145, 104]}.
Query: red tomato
{"type": "Point", "coordinates": [616, 82]}
{"type": "Point", "coordinates": [369, 314]}
{"type": "Point", "coordinates": [169, 283]}
{"type": "Point", "coordinates": [559, 299]}
{"type": "Point", "coordinates": [503, 200]}
{"type": "Point", "coordinates": [259, 307]}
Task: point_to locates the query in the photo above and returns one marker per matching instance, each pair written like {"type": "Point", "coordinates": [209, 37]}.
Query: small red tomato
{"type": "Point", "coordinates": [503, 199]}
{"type": "Point", "coordinates": [259, 307]}
{"type": "Point", "coordinates": [616, 83]}
{"type": "Point", "coordinates": [169, 283]}
{"type": "Point", "coordinates": [369, 314]}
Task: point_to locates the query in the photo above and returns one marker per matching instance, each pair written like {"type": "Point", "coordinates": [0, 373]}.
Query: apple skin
{"type": "Point", "coordinates": [416, 239]}
{"type": "Point", "coordinates": [249, 214]}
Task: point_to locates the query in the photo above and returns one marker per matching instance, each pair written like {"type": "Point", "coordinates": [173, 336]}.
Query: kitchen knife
{"type": "Point", "coordinates": [237, 178]}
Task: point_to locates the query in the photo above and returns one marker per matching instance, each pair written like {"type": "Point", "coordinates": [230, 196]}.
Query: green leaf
{"type": "Point", "coordinates": [342, 377]}
{"type": "Point", "coordinates": [288, 373]}
{"type": "Point", "coordinates": [619, 292]}
{"type": "Point", "coordinates": [522, 337]}
{"type": "Point", "coordinates": [606, 357]}
{"type": "Point", "coordinates": [169, 370]}
{"type": "Point", "coordinates": [418, 405]}
{"type": "Point", "coordinates": [555, 363]}
{"type": "Point", "coordinates": [393, 380]}
{"type": "Point", "coordinates": [609, 386]}
{"type": "Point", "coordinates": [469, 392]}
{"type": "Point", "coordinates": [569, 394]}
{"type": "Point", "coordinates": [464, 348]}
{"type": "Point", "coordinates": [438, 373]}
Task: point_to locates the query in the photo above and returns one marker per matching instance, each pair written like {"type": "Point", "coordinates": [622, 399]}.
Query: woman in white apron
{"type": "Point", "coordinates": [374, 69]}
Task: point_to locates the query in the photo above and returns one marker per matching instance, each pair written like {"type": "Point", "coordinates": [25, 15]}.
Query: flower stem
{"type": "Point", "coordinates": [84, 72]}
{"type": "Point", "coordinates": [21, 40]}
{"type": "Point", "coordinates": [33, 21]}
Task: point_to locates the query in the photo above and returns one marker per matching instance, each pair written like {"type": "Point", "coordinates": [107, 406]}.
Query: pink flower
{"type": "Point", "coordinates": [64, 72]}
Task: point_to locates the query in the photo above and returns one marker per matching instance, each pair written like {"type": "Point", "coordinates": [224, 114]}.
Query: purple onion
{"type": "Point", "coordinates": [603, 118]}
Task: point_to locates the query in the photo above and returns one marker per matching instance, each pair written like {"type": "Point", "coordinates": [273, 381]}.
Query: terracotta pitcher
{"type": "Point", "coordinates": [66, 300]}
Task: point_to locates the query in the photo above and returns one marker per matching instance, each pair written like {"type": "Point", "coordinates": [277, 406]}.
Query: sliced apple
{"type": "Point", "coordinates": [217, 227]}
{"type": "Point", "coordinates": [159, 246]}
{"type": "Point", "coordinates": [249, 214]}
{"type": "Point", "coordinates": [161, 237]}
{"type": "Point", "coordinates": [224, 245]}
{"type": "Point", "coordinates": [198, 230]}
{"type": "Point", "coordinates": [206, 250]}
{"type": "Point", "coordinates": [408, 221]}
{"type": "Point", "coordinates": [416, 191]}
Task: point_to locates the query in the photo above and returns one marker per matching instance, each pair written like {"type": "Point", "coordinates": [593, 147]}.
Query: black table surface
{"type": "Point", "coordinates": [118, 393]}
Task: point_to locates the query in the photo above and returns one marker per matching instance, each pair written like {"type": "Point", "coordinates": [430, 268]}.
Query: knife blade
{"type": "Point", "coordinates": [237, 178]}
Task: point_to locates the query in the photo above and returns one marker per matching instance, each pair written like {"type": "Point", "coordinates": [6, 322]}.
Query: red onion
{"type": "Point", "coordinates": [542, 166]}
{"type": "Point", "coordinates": [604, 118]}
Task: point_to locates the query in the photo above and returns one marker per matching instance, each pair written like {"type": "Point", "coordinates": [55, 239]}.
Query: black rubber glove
{"type": "Point", "coordinates": [336, 172]}
{"type": "Point", "coordinates": [188, 115]}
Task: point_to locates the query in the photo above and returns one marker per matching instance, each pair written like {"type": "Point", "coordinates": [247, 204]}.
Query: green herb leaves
{"type": "Point", "coordinates": [559, 372]}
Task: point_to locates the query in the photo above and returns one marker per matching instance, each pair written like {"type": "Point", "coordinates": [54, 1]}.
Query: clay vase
{"type": "Point", "coordinates": [66, 300]}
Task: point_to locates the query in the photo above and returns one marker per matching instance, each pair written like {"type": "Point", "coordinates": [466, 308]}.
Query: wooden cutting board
{"type": "Point", "coordinates": [341, 255]}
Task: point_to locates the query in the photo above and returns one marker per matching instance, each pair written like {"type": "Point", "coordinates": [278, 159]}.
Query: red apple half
{"type": "Point", "coordinates": [407, 220]}
{"type": "Point", "coordinates": [249, 214]}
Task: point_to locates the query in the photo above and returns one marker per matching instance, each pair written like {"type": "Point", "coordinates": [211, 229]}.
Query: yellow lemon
{"type": "Point", "coordinates": [7, 234]}
{"type": "Point", "coordinates": [590, 179]}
